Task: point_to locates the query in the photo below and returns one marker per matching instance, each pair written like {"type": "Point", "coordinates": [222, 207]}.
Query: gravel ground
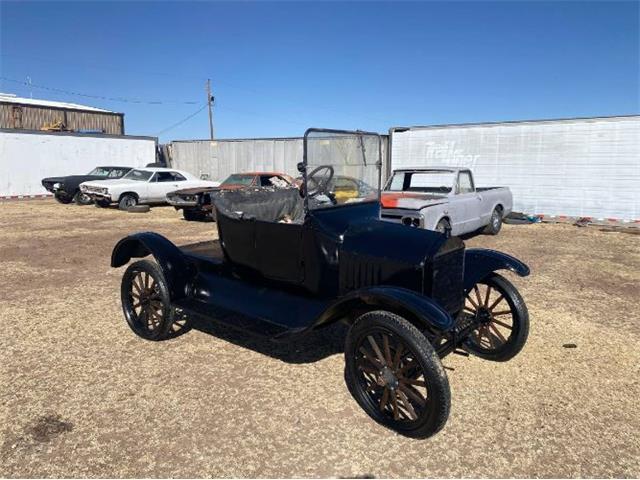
{"type": "Point", "coordinates": [82, 396]}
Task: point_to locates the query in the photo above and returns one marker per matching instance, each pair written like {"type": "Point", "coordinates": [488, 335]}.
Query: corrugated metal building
{"type": "Point", "coordinates": [584, 167]}
{"type": "Point", "coordinates": [220, 158]}
{"type": "Point", "coordinates": [34, 114]}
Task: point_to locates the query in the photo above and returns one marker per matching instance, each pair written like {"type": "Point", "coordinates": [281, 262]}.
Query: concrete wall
{"type": "Point", "coordinates": [577, 168]}
{"type": "Point", "coordinates": [28, 157]}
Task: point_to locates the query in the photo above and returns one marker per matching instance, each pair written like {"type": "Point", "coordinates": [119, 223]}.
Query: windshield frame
{"type": "Point", "coordinates": [304, 165]}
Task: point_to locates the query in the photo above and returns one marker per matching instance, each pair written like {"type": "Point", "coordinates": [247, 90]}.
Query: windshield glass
{"type": "Point", "coordinates": [342, 167]}
{"type": "Point", "coordinates": [432, 181]}
{"type": "Point", "coordinates": [236, 179]}
{"type": "Point", "coordinates": [99, 172]}
{"type": "Point", "coordinates": [140, 175]}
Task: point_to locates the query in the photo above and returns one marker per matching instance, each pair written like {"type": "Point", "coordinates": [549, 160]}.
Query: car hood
{"type": "Point", "coordinates": [72, 178]}
{"type": "Point", "coordinates": [111, 182]}
{"type": "Point", "coordinates": [411, 200]}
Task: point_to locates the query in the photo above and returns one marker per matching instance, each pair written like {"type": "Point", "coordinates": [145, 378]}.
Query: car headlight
{"type": "Point", "coordinates": [56, 185]}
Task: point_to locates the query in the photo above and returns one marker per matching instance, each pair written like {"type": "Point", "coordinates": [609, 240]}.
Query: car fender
{"type": "Point", "coordinates": [479, 263]}
{"type": "Point", "coordinates": [175, 267]}
{"type": "Point", "coordinates": [415, 307]}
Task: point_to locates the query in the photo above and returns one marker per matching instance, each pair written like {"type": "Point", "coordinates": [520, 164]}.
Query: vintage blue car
{"type": "Point", "coordinates": [292, 261]}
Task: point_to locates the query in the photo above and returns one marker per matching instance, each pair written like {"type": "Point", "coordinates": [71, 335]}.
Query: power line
{"type": "Point", "coordinates": [99, 97]}
{"type": "Point", "coordinates": [177, 124]}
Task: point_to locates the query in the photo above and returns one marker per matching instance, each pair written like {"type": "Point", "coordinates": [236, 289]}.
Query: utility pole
{"type": "Point", "coordinates": [210, 104]}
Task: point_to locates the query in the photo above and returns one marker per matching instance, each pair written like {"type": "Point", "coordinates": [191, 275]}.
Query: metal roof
{"type": "Point", "coordinates": [10, 98]}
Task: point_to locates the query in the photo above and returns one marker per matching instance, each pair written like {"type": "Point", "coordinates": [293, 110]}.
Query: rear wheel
{"type": "Point", "coordinates": [495, 222]}
{"type": "Point", "coordinates": [395, 375]}
{"type": "Point", "coordinates": [503, 318]}
{"type": "Point", "coordinates": [145, 301]}
{"type": "Point", "coordinates": [127, 201]}
{"type": "Point", "coordinates": [63, 198]}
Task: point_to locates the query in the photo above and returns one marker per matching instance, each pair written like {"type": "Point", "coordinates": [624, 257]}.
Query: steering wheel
{"type": "Point", "coordinates": [318, 184]}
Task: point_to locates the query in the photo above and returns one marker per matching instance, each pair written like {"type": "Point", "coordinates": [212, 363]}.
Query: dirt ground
{"type": "Point", "coordinates": [82, 396]}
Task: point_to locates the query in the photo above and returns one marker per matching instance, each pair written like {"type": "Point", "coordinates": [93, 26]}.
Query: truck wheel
{"type": "Point", "coordinates": [443, 225]}
{"type": "Point", "coordinates": [102, 203]}
{"type": "Point", "coordinates": [395, 375]}
{"type": "Point", "coordinates": [495, 223]}
{"type": "Point", "coordinates": [145, 301]}
{"type": "Point", "coordinates": [63, 198]}
{"type": "Point", "coordinates": [503, 318]}
{"type": "Point", "coordinates": [191, 215]}
{"type": "Point", "coordinates": [82, 198]}
{"type": "Point", "coordinates": [127, 201]}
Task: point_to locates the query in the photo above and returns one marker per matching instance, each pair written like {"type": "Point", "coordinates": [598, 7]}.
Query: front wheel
{"type": "Point", "coordinates": [127, 201]}
{"type": "Point", "coordinates": [63, 198]}
{"type": "Point", "coordinates": [193, 215]}
{"type": "Point", "coordinates": [82, 198]}
{"type": "Point", "coordinates": [102, 203]}
{"type": "Point", "coordinates": [502, 317]}
{"type": "Point", "coordinates": [145, 301]}
{"type": "Point", "coordinates": [395, 375]}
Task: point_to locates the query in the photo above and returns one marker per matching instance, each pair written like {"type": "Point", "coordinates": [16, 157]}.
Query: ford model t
{"type": "Point", "coordinates": [295, 260]}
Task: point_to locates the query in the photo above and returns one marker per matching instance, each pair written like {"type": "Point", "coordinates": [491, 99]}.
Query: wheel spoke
{"type": "Point", "coordinates": [477, 290]}
{"type": "Point", "coordinates": [376, 349]}
{"type": "Point", "coordinates": [394, 402]}
{"type": "Point", "coordinates": [398, 356]}
{"type": "Point", "coordinates": [409, 365]}
{"type": "Point", "coordinates": [408, 406]}
{"type": "Point", "coordinates": [469, 309]}
{"type": "Point", "coordinates": [502, 324]}
{"type": "Point", "coordinates": [486, 298]}
{"type": "Point", "coordinates": [367, 369]}
{"type": "Point", "coordinates": [387, 350]}
{"type": "Point", "coordinates": [136, 305]}
{"type": "Point", "coordinates": [495, 303]}
{"type": "Point", "coordinates": [495, 329]}
{"type": "Point", "coordinates": [135, 285]}
{"type": "Point", "coordinates": [475, 305]}
{"type": "Point", "coordinates": [411, 381]}
{"type": "Point", "coordinates": [503, 312]}
{"type": "Point", "coordinates": [413, 393]}
{"type": "Point", "coordinates": [384, 399]}
{"type": "Point", "coordinates": [374, 361]}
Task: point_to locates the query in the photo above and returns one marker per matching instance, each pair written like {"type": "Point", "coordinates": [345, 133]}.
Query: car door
{"type": "Point", "coordinates": [468, 203]}
{"type": "Point", "coordinates": [166, 182]}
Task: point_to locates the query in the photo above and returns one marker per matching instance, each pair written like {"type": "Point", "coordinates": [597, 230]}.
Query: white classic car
{"type": "Point", "coordinates": [141, 186]}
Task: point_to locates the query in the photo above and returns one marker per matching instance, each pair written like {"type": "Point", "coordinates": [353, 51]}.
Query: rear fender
{"type": "Point", "coordinates": [424, 312]}
{"type": "Point", "coordinates": [479, 263]}
{"type": "Point", "coordinates": [175, 267]}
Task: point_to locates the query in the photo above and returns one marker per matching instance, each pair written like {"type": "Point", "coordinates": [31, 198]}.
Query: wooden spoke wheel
{"type": "Point", "coordinates": [502, 316]}
{"type": "Point", "coordinates": [146, 303]}
{"type": "Point", "coordinates": [395, 375]}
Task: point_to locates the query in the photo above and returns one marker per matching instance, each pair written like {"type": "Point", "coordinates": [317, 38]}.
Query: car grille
{"type": "Point", "coordinates": [447, 280]}
{"type": "Point", "coordinates": [92, 189]}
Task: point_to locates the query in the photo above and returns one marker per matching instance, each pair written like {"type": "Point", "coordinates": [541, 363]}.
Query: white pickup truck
{"type": "Point", "coordinates": [444, 198]}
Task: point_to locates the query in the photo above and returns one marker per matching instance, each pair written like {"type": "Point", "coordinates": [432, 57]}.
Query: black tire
{"type": "Point", "coordinates": [82, 198]}
{"type": "Point", "coordinates": [369, 378]}
{"type": "Point", "coordinates": [144, 288]}
{"type": "Point", "coordinates": [102, 203]}
{"type": "Point", "coordinates": [63, 198]}
{"type": "Point", "coordinates": [497, 339]}
{"type": "Point", "coordinates": [192, 215]}
{"type": "Point", "coordinates": [495, 222]}
{"type": "Point", "coordinates": [127, 201]}
{"type": "Point", "coordinates": [443, 225]}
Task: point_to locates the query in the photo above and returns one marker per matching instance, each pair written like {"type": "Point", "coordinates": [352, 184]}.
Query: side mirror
{"type": "Point", "coordinates": [301, 167]}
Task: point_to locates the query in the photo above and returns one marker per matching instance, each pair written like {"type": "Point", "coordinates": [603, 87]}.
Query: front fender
{"type": "Point", "coordinates": [481, 262]}
{"type": "Point", "coordinates": [412, 305]}
{"type": "Point", "coordinates": [175, 267]}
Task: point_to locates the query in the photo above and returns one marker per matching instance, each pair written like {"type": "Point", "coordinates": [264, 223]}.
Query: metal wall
{"type": "Point", "coordinates": [28, 157]}
{"type": "Point", "coordinates": [31, 117]}
{"type": "Point", "coordinates": [221, 158]}
{"type": "Point", "coordinates": [577, 168]}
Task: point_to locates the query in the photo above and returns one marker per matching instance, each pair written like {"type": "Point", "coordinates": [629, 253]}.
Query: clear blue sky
{"type": "Point", "coordinates": [278, 68]}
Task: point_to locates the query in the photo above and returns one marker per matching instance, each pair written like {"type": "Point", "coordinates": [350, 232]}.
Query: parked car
{"type": "Point", "coordinates": [444, 198]}
{"type": "Point", "coordinates": [196, 202]}
{"type": "Point", "coordinates": [286, 266]}
{"type": "Point", "coordinates": [140, 186]}
{"type": "Point", "coordinates": [67, 189]}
